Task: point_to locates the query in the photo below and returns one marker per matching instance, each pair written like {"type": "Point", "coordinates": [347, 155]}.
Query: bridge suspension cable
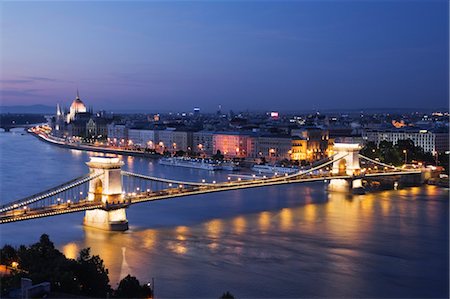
{"type": "Point", "coordinates": [48, 193]}
{"type": "Point", "coordinates": [380, 163]}
{"type": "Point", "coordinates": [162, 180]}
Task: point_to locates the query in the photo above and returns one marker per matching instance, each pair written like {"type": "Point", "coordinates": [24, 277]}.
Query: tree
{"type": "Point", "coordinates": [8, 255]}
{"type": "Point", "coordinates": [92, 275]}
{"type": "Point", "coordinates": [218, 155]}
{"type": "Point", "coordinates": [370, 150]}
{"type": "Point", "coordinates": [179, 153]}
{"type": "Point", "coordinates": [227, 295]}
{"type": "Point", "coordinates": [129, 287]}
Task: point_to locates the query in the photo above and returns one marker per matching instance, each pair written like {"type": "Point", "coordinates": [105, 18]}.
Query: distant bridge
{"type": "Point", "coordinates": [107, 190]}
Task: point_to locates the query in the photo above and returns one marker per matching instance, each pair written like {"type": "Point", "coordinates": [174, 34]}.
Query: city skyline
{"type": "Point", "coordinates": [243, 55]}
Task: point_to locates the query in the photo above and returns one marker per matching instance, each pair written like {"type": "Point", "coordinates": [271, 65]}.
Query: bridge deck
{"type": "Point", "coordinates": [19, 215]}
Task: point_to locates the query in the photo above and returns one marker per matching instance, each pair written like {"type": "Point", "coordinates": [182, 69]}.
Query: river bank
{"type": "Point", "coordinates": [96, 149]}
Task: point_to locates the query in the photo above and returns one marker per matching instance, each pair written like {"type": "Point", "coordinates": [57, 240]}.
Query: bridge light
{"type": "Point", "coordinates": [25, 207]}
{"type": "Point", "coordinates": [228, 178]}
{"type": "Point", "coordinates": [68, 201]}
{"type": "Point", "coordinates": [81, 193]}
{"type": "Point", "coordinates": [203, 180]}
{"type": "Point", "coordinates": [181, 186]}
{"type": "Point", "coordinates": [264, 177]}
{"type": "Point", "coordinates": [239, 179]}
{"type": "Point", "coordinates": [170, 184]}
{"type": "Point", "coordinates": [276, 173]}
{"type": "Point", "coordinates": [137, 188]}
{"type": "Point", "coordinates": [148, 190]}
{"type": "Point", "coordinates": [214, 182]}
{"type": "Point", "coordinates": [253, 176]}
{"type": "Point", "coordinates": [285, 174]}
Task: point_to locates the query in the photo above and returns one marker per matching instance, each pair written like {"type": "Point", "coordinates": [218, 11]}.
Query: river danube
{"type": "Point", "coordinates": [283, 241]}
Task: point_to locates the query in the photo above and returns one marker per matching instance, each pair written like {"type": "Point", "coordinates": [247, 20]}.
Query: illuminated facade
{"type": "Point", "coordinates": [311, 144]}
{"type": "Point", "coordinates": [76, 107]}
{"type": "Point", "coordinates": [299, 149]}
{"type": "Point", "coordinates": [234, 144]}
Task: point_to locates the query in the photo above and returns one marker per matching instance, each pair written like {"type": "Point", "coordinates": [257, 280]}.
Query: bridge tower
{"type": "Point", "coordinates": [107, 190]}
{"type": "Point", "coordinates": [346, 162]}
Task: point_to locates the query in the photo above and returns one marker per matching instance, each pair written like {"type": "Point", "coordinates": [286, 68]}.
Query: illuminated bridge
{"type": "Point", "coordinates": [106, 191]}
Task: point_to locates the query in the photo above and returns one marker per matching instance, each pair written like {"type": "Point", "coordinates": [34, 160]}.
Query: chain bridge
{"type": "Point", "coordinates": [107, 190]}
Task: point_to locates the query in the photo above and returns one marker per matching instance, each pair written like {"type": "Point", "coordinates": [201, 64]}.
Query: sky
{"type": "Point", "coordinates": [256, 55]}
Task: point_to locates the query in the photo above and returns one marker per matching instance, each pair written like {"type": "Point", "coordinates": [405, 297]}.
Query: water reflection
{"type": "Point", "coordinates": [213, 232]}
{"type": "Point", "coordinates": [264, 221]}
{"type": "Point", "coordinates": [239, 224]}
{"type": "Point", "coordinates": [286, 219]}
{"type": "Point", "coordinates": [149, 238]}
{"type": "Point", "coordinates": [71, 250]}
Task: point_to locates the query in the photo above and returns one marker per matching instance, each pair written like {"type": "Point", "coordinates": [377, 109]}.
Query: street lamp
{"type": "Point", "coordinates": [406, 156]}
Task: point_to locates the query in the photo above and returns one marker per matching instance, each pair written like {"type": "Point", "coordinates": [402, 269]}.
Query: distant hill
{"type": "Point", "coordinates": [40, 109]}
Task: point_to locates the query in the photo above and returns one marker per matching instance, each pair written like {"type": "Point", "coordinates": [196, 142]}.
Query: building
{"type": "Point", "coordinates": [79, 122]}
{"type": "Point", "coordinates": [96, 128]}
{"type": "Point", "coordinates": [202, 143]}
{"type": "Point", "coordinates": [299, 149]}
{"type": "Point", "coordinates": [76, 107]}
{"type": "Point", "coordinates": [58, 123]}
{"type": "Point", "coordinates": [117, 133]}
{"type": "Point", "coordinates": [311, 143]}
{"type": "Point", "coordinates": [172, 140]}
{"type": "Point", "coordinates": [144, 138]}
{"type": "Point", "coordinates": [423, 138]}
{"type": "Point", "coordinates": [274, 148]}
{"type": "Point", "coordinates": [235, 144]}
{"type": "Point", "coordinates": [441, 140]}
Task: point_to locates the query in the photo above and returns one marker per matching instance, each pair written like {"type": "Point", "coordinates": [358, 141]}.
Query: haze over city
{"type": "Point", "coordinates": [297, 55]}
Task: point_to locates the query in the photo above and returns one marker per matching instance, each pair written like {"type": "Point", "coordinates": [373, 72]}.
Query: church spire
{"type": "Point", "coordinates": [78, 94]}
{"type": "Point", "coordinates": [58, 110]}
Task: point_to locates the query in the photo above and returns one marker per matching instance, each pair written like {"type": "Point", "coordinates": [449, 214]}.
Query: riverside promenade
{"type": "Point", "coordinates": [90, 148]}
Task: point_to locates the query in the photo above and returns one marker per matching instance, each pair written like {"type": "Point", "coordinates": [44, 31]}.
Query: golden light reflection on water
{"type": "Point", "coordinates": [310, 213]}
{"type": "Point", "coordinates": [264, 221]}
{"type": "Point", "coordinates": [179, 245]}
{"type": "Point", "coordinates": [149, 238]}
{"type": "Point", "coordinates": [213, 231]}
{"type": "Point", "coordinates": [214, 228]}
{"type": "Point", "coordinates": [343, 217]}
{"type": "Point", "coordinates": [239, 224]}
{"type": "Point", "coordinates": [71, 250]}
{"type": "Point", "coordinates": [286, 219]}
{"type": "Point", "coordinates": [181, 232]}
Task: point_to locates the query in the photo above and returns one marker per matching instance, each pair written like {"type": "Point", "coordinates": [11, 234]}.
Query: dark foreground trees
{"type": "Point", "coordinates": [85, 276]}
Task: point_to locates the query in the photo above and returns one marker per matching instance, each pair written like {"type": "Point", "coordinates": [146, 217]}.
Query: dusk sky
{"type": "Point", "coordinates": [173, 56]}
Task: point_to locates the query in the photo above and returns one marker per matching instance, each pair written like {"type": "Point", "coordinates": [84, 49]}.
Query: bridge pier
{"type": "Point", "coordinates": [346, 162]}
{"type": "Point", "coordinates": [114, 220]}
{"type": "Point", "coordinates": [107, 190]}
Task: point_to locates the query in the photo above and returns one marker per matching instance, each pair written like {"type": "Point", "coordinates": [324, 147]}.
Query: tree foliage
{"type": "Point", "coordinates": [85, 276]}
{"type": "Point", "coordinates": [398, 154]}
{"type": "Point", "coordinates": [227, 295]}
{"type": "Point", "coordinates": [129, 287]}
